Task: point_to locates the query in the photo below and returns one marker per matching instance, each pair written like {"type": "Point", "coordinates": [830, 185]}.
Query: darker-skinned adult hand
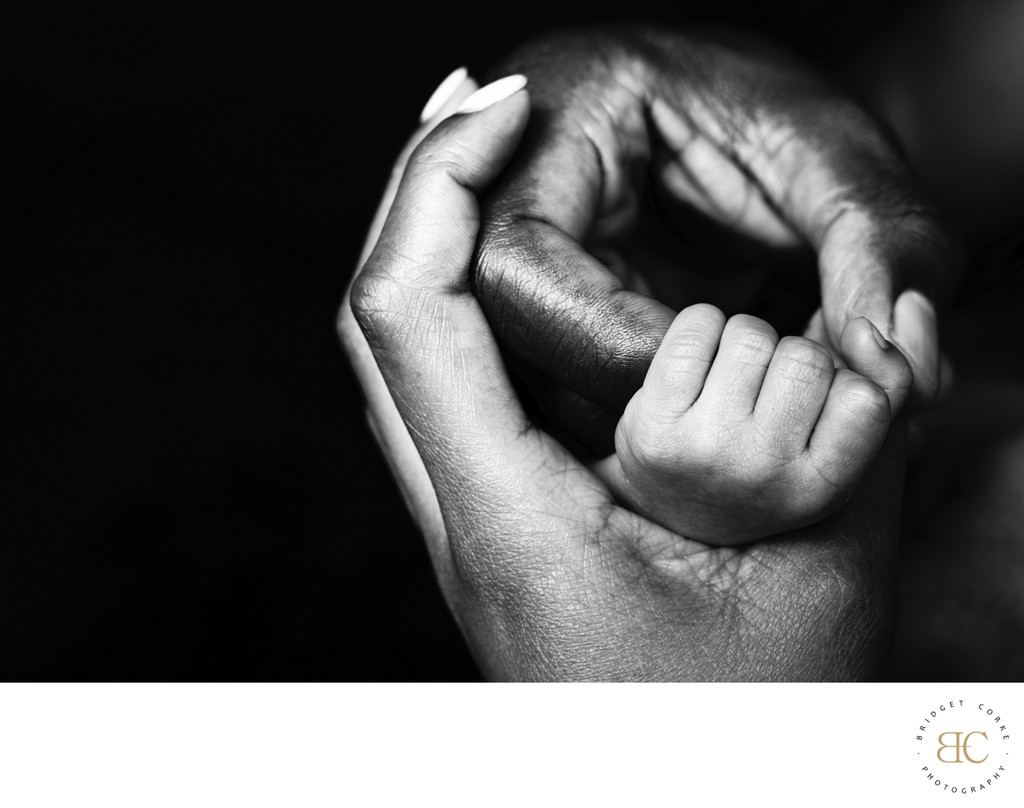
{"type": "Point", "coordinates": [662, 169]}
{"type": "Point", "coordinates": [548, 577]}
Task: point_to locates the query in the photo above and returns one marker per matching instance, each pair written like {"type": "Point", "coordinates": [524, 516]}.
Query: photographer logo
{"type": "Point", "coordinates": [963, 747]}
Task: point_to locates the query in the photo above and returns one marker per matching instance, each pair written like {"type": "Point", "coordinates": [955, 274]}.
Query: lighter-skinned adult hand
{"type": "Point", "coordinates": [662, 169]}
{"type": "Point", "coordinates": [548, 577]}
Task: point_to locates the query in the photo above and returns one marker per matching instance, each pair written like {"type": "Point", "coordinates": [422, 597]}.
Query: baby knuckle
{"type": "Point", "coordinates": [751, 339]}
{"type": "Point", "coordinates": [805, 358]}
{"type": "Point", "coordinates": [687, 352]}
{"type": "Point", "coordinates": [706, 317]}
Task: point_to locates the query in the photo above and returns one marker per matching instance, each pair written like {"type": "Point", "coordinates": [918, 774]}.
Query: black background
{"type": "Point", "coordinates": [192, 494]}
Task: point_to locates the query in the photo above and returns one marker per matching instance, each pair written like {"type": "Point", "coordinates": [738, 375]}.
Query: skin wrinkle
{"type": "Point", "coordinates": [807, 363]}
{"type": "Point", "coordinates": [682, 561]}
{"type": "Point", "coordinates": [571, 617]}
{"type": "Point", "coordinates": [534, 536]}
{"type": "Point", "coordinates": [666, 610]}
{"type": "Point", "coordinates": [817, 622]}
{"type": "Point", "coordinates": [847, 615]}
{"type": "Point", "coordinates": [737, 647]}
{"type": "Point", "coordinates": [602, 560]}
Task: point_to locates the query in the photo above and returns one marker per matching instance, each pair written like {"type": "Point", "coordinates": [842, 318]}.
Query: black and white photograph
{"type": "Point", "coordinates": [478, 344]}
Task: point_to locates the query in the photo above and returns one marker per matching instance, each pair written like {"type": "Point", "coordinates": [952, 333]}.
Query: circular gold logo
{"type": "Point", "coordinates": [963, 746]}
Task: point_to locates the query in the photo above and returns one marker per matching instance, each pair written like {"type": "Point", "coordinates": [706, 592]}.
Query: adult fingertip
{"type": "Point", "coordinates": [870, 354]}
{"type": "Point", "coordinates": [452, 91]}
{"type": "Point", "coordinates": [471, 149]}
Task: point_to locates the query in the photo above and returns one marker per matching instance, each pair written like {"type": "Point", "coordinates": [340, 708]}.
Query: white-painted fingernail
{"type": "Point", "coordinates": [445, 90]}
{"type": "Point", "coordinates": [493, 93]}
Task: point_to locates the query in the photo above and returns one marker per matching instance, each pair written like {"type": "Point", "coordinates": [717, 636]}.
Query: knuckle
{"type": "Point", "coordinates": [375, 299]}
{"type": "Point", "coordinates": [688, 352]}
{"type": "Point", "coordinates": [805, 359]}
{"type": "Point", "coordinates": [750, 339]}
{"type": "Point", "coordinates": [705, 316]}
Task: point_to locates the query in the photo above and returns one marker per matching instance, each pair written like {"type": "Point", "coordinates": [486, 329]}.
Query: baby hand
{"type": "Point", "coordinates": [737, 435]}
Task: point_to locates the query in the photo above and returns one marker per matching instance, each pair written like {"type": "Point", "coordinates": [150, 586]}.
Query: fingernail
{"type": "Point", "coordinates": [445, 90]}
{"type": "Point", "coordinates": [883, 343]}
{"type": "Point", "coordinates": [493, 93]}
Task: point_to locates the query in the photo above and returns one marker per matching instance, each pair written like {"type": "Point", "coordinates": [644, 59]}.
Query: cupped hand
{"type": "Point", "coordinates": [662, 169]}
{"type": "Point", "coordinates": [547, 576]}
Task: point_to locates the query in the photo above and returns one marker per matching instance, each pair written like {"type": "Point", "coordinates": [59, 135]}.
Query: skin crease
{"type": "Point", "coordinates": [549, 577]}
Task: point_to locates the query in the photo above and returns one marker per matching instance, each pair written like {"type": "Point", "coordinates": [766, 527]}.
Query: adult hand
{"type": "Point", "coordinates": [662, 169]}
{"type": "Point", "coordinates": [547, 576]}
